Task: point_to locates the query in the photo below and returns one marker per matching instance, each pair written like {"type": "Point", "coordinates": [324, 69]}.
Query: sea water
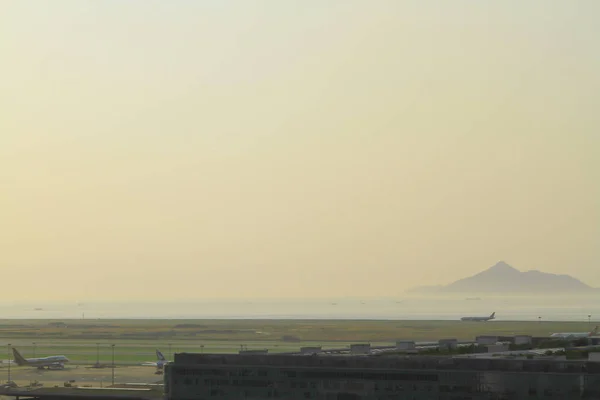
{"type": "Point", "coordinates": [566, 308]}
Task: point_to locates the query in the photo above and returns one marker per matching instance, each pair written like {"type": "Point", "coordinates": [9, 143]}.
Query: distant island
{"type": "Point", "coordinates": [504, 279]}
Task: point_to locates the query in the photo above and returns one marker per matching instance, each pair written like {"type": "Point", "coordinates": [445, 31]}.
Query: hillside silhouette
{"type": "Point", "coordinates": [505, 279]}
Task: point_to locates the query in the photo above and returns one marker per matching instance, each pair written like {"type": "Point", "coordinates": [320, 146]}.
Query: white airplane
{"type": "Point", "coordinates": [51, 362]}
{"type": "Point", "coordinates": [161, 361]}
{"type": "Point", "coordinates": [575, 335]}
{"type": "Point", "coordinates": [479, 319]}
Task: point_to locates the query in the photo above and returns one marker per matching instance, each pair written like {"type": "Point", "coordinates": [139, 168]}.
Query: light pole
{"type": "Point", "coordinates": [97, 354]}
{"type": "Point", "coordinates": [170, 353]}
{"type": "Point", "coordinates": [34, 346]}
{"type": "Point", "coordinates": [8, 347]}
{"type": "Point", "coordinates": [113, 363]}
{"type": "Point", "coordinates": [590, 320]}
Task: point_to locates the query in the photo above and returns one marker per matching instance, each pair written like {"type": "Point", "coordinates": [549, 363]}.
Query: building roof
{"type": "Point", "coordinates": [186, 360]}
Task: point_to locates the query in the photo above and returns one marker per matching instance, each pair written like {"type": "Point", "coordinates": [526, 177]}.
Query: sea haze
{"type": "Point", "coordinates": [522, 308]}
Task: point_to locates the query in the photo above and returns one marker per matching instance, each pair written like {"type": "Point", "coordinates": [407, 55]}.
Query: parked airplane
{"type": "Point", "coordinates": [575, 335]}
{"type": "Point", "coordinates": [479, 319]}
{"type": "Point", "coordinates": [161, 360]}
{"type": "Point", "coordinates": [51, 362]}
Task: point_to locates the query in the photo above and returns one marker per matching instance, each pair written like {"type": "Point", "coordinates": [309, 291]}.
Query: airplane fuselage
{"type": "Point", "coordinates": [49, 362]}
{"type": "Point", "coordinates": [54, 361]}
{"type": "Point", "coordinates": [570, 335]}
{"type": "Point", "coordinates": [479, 319]}
{"type": "Point", "coordinates": [575, 335]}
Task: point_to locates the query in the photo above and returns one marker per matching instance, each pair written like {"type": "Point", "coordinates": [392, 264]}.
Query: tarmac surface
{"type": "Point", "coordinates": [81, 375]}
{"type": "Point", "coordinates": [78, 393]}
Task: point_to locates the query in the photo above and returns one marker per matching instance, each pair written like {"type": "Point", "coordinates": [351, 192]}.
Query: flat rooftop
{"type": "Point", "coordinates": [391, 362]}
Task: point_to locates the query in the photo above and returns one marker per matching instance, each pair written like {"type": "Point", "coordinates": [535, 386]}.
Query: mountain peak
{"type": "Point", "coordinates": [502, 278]}
{"type": "Point", "coordinates": [501, 266]}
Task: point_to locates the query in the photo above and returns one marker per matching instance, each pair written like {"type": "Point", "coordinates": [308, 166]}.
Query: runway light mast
{"type": "Point", "coordinates": [9, 362]}
{"type": "Point", "coordinates": [113, 363]}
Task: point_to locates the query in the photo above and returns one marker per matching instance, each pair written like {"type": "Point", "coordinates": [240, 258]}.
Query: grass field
{"type": "Point", "coordinates": [136, 340]}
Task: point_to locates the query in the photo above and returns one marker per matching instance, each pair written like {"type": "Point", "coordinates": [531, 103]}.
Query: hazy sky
{"type": "Point", "coordinates": [294, 148]}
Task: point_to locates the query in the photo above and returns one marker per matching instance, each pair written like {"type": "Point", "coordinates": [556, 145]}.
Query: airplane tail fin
{"type": "Point", "coordinates": [19, 359]}
{"type": "Point", "coordinates": [160, 356]}
{"type": "Point", "coordinates": [493, 315]}
{"type": "Point", "coordinates": [595, 331]}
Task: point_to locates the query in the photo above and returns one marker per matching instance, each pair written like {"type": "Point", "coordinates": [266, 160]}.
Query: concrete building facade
{"type": "Point", "coordinates": [406, 345]}
{"type": "Point", "coordinates": [310, 349]}
{"type": "Point", "coordinates": [523, 339]}
{"type": "Point", "coordinates": [360, 349]}
{"type": "Point", "coordinates": [485, 340]}
{"type": "Point", "coordinates": [239, 377]}
{"type": "Point", "coordinates": [497, 348]}
{"type": "Point", "coordinates": [448, 344]}
{"type": "Point", "coordinates": [594, 357]}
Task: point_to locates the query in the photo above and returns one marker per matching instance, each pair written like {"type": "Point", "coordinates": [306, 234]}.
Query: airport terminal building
{"type": "Point", "coordinates": [249, 376]}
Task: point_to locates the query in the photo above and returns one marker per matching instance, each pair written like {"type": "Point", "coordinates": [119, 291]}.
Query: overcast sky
{"type": "Point", "coordinates": [294, 148]}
